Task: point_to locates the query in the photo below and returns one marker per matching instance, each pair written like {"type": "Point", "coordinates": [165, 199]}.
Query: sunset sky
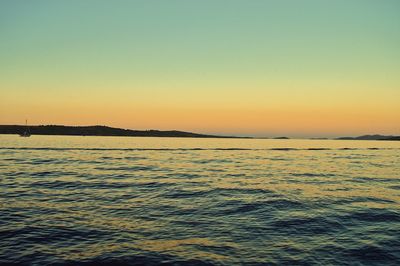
{"type": "Point", "coordinates": [248, 67]}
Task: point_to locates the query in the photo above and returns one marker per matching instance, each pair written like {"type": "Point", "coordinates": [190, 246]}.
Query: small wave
{"type": "Point", "coordinates": [361, 199]}
{"type": "Point", "coordinates": [378, 164]}
{"type": "Point", "coordinates": [280, 159]}
{"type": "Point", "coordinates": [312, 175]}
{"type": "Point", "coordinates": [284, 149]}
{"type": "Point", "coordinates": [184, 175]}
{"type": "Point", "coordinates": [128, 158]}
{"type": "Point", "coordinates": [373, 216]}
{"type": "Point", "coordinates": [207, 161]}
{"type": "Point", "coordinates": [243, 208]}
{"type": "Point", "coordinates": [127, 168]}
{"type": "Point", "coordinates": [76, 185]}
{"type": "Point", "coordinates": [52, 173]}
{"type": "Point", "coordinates": [349, 157]}
{"type": "Point", "coordinates": [245, 190]}
{"type": "Point", "coordinates": [308, 225]}
{"type": "Point", "coordinates": [374, 179]}
{"type": "Point", "coordinates": [285, 204]}
{"type": "Point", "coordinates": [370, 254]}
{"type": "Point", "coordinates": [44, 173]}
{"type": "Point", "coordinates": [57, 184]}
{"type": "Point", "coordinates": [187, 193]}
{"type": "Point", "coordinates": [152, 258]}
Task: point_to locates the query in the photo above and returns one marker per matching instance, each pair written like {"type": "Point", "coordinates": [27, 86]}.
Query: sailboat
{"type": "Point", "coordinates": [26, 133]}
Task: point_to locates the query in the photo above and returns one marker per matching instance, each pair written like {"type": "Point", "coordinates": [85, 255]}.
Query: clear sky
{"type": "Point", "coordinates": [249, 67]}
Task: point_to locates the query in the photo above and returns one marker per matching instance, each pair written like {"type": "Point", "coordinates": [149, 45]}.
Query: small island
{"type": "Point", "coordinates": [100, 131]}
{"type": "Point", "coordinates": [281, 138]}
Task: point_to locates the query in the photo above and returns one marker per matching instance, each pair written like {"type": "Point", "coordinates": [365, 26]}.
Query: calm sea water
{"type": "Point", "coordinates": [103, 200]}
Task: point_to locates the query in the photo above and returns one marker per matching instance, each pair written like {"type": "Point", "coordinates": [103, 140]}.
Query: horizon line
{"type": "Point", "coordinates": [266, 136]}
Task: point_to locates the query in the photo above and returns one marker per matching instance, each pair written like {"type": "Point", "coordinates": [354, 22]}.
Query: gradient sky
{"type": "Point", "coordinates": [249, 67]}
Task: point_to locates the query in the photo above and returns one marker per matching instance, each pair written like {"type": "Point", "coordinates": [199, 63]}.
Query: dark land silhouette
{"type": "Point", "coordinates": [111, 131]}
{"type": "Point", "coordinates": [99, 131]}
{"type": "Point", "coordinates": [370, 137]}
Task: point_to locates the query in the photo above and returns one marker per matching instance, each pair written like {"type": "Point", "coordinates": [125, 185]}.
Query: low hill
{"type": "Point", "coordinates": [99, 131]}
{"type": "Point", "coordinates": [371, 137]}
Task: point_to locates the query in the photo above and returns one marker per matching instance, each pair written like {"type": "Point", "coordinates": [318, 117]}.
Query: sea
{"type": "Point", "coordinates": [75, 200]}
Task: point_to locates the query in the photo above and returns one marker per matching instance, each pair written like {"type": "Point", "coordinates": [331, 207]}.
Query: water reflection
{"type": "Point", "coordinates": [147, 201]}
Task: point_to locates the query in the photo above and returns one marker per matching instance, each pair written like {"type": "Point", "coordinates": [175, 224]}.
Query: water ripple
{"type": "Point", "coordinates": [109, 204]}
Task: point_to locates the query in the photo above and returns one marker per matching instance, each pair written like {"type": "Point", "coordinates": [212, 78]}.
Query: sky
{"type": "Point", "coordinates": [249, 67]}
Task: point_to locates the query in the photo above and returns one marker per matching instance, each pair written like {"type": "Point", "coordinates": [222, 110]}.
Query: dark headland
{"type": "Point", "coordinates": [99, 131]}
{"type": "Point", "coordinates": [371, 137]}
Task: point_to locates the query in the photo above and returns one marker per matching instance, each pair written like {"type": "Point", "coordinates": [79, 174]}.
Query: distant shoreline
{"type": "Point", "coordinates": [371, 137]}
{"type": "Point", "coordinates": [105, 131]}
